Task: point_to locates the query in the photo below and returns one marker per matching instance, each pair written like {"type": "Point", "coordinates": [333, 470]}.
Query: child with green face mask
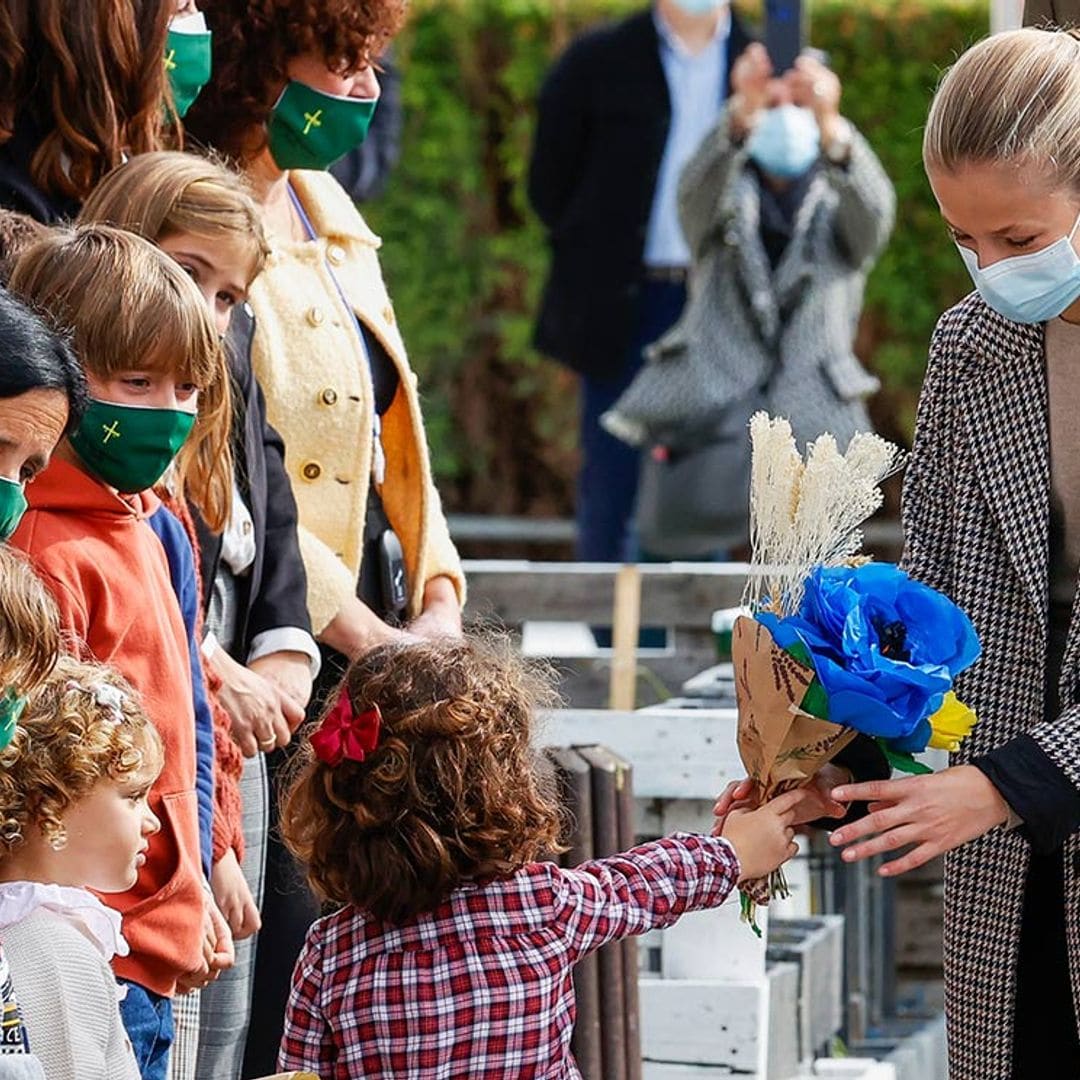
{"type": "Point", "coordinates": [122, 570]}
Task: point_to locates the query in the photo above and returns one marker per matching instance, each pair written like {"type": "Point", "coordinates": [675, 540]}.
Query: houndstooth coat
{"type": "Point", "coordinates": [976, 522]}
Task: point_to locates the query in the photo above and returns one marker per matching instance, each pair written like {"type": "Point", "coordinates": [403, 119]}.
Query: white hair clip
{"type": "Point", "coordinates": [111, 699]}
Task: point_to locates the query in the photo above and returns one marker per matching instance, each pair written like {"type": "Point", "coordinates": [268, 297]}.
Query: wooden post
{"type": "Point", "coordinates": [575, 786]}
{"type": "Point", "coordinates": [626, 620]}
{"type": "Point", "coordinates": [605, 796]}
{"type": "Point", "coordinates": [627, 839]}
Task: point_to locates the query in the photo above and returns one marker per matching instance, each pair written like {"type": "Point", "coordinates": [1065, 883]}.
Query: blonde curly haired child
{"type": "Point", "coordinates": [74, 816]}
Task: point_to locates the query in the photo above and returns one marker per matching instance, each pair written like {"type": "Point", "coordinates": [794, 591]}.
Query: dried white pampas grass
{"type": "Point", "coordinates": [805, 514]}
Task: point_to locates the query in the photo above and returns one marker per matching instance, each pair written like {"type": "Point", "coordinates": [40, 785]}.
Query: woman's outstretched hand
{"type": "Point", "coordinates": [928, 814]}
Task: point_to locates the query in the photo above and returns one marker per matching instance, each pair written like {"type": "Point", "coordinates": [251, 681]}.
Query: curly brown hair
{"type": "Point", "coordinates": [68, 740]}
{"type": "Point", "coordinates": [90, 75]}
{"type": "Point", "coordinates": [452, 793]}
{"type": "Point", "coordinates": [253, 42]}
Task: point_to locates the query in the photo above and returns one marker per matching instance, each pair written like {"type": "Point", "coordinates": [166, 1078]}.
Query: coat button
{"type": "Point", "coordinates": [312, 470]}
{"type": "Point", "coordinates": [315, 316]}
{"type": "Point", "coordinates": [336, 254]}
{"type": "Point", "coordinates": [388, 314]}
{"type": "Point", "coordinates": [246, 528]}
{"type": "Point", "coordinates": [329, 396]}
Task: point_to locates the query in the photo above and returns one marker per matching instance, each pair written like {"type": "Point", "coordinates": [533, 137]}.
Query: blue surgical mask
{"type": "Point", "coordinates": [1029, 288]}
{"type": "Point", "coordinates": [699, 7]}
{"type": "Point", "coordinates": [785, 141]}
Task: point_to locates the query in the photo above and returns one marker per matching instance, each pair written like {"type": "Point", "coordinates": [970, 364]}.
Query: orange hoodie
{"type": "Point", "coordinates": [110, 577]}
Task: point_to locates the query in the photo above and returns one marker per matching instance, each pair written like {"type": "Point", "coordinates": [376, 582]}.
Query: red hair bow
{"type": "Point", "coordinates": [346, 734]}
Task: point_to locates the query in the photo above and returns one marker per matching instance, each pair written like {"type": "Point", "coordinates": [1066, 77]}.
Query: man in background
{"type": "Point", "coordinates": [620, 113]}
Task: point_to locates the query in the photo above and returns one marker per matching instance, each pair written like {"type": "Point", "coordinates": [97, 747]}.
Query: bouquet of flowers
{"type": "Point", "coordinates": [836, 644]}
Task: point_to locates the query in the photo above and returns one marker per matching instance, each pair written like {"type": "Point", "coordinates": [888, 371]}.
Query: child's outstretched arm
{"type": "Point", "coordinates": [651, 886]}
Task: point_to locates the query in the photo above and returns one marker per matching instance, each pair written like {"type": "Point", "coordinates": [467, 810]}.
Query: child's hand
{"type": "Point", "coordinates": [763, 838]}
{"type": "Point", "coordinates": [233, 897]}
{"type": "Point", "coordinates": [223, 954]}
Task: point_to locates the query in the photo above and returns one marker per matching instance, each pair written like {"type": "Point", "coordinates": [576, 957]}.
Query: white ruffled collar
{"type": "Point", "coordinates": [100, 924]}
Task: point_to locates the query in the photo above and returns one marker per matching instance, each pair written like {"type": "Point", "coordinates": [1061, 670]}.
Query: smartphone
{"type": "Point", "coordinates": [784, 32]}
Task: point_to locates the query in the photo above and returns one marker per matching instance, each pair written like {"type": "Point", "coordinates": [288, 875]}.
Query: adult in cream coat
{"type": "Point", "coordinates": [330, 358]}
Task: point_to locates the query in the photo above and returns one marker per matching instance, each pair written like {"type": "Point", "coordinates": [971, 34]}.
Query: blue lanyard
{"type": "Point", "coordinates": [378, 455]}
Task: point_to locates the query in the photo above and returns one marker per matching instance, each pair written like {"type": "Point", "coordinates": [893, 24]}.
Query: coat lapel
{"type": "Point", "coordinates": [1005, 411]}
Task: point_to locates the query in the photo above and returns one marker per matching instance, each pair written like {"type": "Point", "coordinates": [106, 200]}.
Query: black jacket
{"type": "Point", "coordinates": [604, 114]}
{"type": "Point", "coordinates": [274, 594]}
{"type": "Point", "coordinates": [18, 190]}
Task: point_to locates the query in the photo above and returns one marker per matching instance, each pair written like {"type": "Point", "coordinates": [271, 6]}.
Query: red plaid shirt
{"type": "Point", "coordinates": [482, 986]}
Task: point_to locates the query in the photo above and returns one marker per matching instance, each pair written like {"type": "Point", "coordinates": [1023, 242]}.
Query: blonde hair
{"type": "Point", "coordinates": [166, 193]}
{"type": "Point", "coordinates": [127, 305]}
{"type": "Point", "coordinates": [29, 625]}
{"type": "Point", "coordinates": [82, 726]}
{"type": "Point", "coordinates": [1011, 99]}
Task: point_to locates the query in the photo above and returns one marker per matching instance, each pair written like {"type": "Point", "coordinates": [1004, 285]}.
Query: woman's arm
{"type": "Point", "coordinates": [867, 208]}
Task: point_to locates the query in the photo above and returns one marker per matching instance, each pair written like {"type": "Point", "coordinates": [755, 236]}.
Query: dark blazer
{"type": "Point", "coordinates": [604, 114]}
{"type": "Point", "coordinates": [1051, 12]}
{"type": "Point", "coordinates": [17, 189]}
{"type": "Point", "coordinates": [275, 592]}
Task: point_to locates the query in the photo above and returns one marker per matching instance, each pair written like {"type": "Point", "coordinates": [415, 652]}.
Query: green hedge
{"type": "Point", "coordinates": [465, 258]}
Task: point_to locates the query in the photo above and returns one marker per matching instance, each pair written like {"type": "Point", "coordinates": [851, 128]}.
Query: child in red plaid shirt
{"type": "Point", "coordinates": [419, 806]}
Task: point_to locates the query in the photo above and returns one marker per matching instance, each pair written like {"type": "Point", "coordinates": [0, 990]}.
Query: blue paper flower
{"type": "Point", "coordinates": [885, 648]}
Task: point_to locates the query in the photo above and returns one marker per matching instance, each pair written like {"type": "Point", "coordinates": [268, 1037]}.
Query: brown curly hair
{"type": "Point", "coordinates": [253, 42]}
{"type": "Point", "coordinates": [90, 74]}
{"type": "Point", "coordinates": [452, 793]}
{"type": "Point", "coordinates": [65, 744]}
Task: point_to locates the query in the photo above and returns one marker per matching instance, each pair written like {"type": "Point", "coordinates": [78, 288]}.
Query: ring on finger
{"type": "Point", "coordinates": [820, 87]}
{"type": "Point", "coordinates": [266, 744]}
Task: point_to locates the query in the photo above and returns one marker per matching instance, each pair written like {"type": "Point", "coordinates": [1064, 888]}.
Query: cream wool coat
{"type": "Point", "coordinates": [319, 396]}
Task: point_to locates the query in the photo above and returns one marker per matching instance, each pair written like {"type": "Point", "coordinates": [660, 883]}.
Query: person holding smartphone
{"type": "Point", "coordinates": [785, 208]}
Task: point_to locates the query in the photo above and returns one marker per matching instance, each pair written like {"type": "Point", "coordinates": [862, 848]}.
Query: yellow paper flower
{"type": "Point", "coordinates": [951, 724]}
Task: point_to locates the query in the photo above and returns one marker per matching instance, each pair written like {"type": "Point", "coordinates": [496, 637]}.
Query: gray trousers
{"type": "Point", "coordinates": [226, 1003]}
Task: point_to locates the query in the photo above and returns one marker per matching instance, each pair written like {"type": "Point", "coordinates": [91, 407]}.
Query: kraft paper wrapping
{"type": "Point", "coordinates": [781, 746]}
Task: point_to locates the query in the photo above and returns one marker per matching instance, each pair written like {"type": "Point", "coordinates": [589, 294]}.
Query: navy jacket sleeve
{"type": "Point", "coordinates": [182, 571]}
{"type": "Point", "coordinates": [282, 595]}
{"type": "Point", "coordinates": [562, 134]}
{"type": "Point", "coordinates": [1041, 794]}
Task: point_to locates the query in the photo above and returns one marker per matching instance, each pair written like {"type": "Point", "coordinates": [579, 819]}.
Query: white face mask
{"type": "Point", "coordinates": [700, 7]}
{"type": "Point", "coordinates": [1029, 288]}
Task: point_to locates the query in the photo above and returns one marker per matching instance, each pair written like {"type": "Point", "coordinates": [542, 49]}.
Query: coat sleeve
{"type": "Point", "coordinates": [867, 207]}
{"type": "Point", "coordinates": [282, 596]}
{"type": "Point", "coordinates": [704, 181]}
{"type": "Point", "coordinates": [562, 135]}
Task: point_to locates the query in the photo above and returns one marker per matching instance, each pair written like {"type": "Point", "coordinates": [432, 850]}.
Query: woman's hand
{"type": "Point", "coordinates": [815, 87]}
{"type": "Point", "coordinates": [816, 802]}
{"type": "Point", "coordinates": [290, 672]}
{"type": "Point", "coordinates": [261, 715]}
{"type": "Point", "coordinates": [356, 630]}
{"type": "Point", "coordinates": [750, 86]}
{"type": "Point", "coordinates": [441, 616]}
{"type": "Point", "coordinates": [234, 898]}
{"type": "Point", "coordinates": [930, 814]}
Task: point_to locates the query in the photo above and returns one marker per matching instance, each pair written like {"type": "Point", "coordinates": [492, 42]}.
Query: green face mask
{"type": "Point", "coordinates": [187, 59]}
{"type": "Point", "coordinates": [130, 447]}
{"type": "Point", "coordinates": [311, 130]}
{"type": "Point", "coordinates": [12, 506]}
{"type": "Point", "coordinates": [11, 707]}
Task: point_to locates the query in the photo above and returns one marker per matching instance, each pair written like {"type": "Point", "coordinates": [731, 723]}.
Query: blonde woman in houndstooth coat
{"type": "Point", "coordinates": [992, 517]}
